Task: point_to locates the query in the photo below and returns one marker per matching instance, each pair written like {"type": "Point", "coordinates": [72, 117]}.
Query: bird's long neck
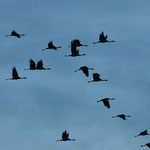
{"type": "Point", "coordinates": [72, 139]}
{"type": "Point", "coordinates": [111, 98]}
{"type": "Point", "coordinates": [45, 49]}
{"type": "Point", "coordinates": [58, 47]}
{"type": "Point", "coordinates": [90, 81]}
{"type": "Point", "coordinates": [22, 34]}
{"type": "Point", "coordinates": [104, 80]}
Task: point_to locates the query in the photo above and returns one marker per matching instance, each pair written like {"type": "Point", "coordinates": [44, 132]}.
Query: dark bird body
{"type": "Point", "coordinates": [96, 78]}
{"type": "Point", "coordinates": [85, 70]}
{"type": "Point", "coordinates": [142, 133]}
{"type": "Point", "coordinates": [102, 39]}
{"type": "Point", "coordinates": [148, 145]}
{"type": "Point", "coordinates": [74, 51]}
{"type": "Point", "coordinates": [122, 116]}
{"type": "Point", "coordinates": [51, 46]}
{"type": "Point", "coordinates": [15, 75]}
{"type": "Point", "coordinates": [14, 33]}
{"type": "Point", "coordinates": [106, 101]}
{"type": "Point", "coordinates": [78, 43]}
{"type": "Point", "coordinates": [65, 137]}
{"type": "Point", "coordinates": [39, 65]}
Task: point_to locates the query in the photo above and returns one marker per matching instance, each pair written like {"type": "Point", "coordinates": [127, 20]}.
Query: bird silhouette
{"type": "Point", "coordinates": [85, 70]}
{"type": "Point", "coordinates": [65, 137]}
{"type": "Point", "coordinates": [78, 43]}
{"type": "Point", "coordinates": [142, 133]}
{"type": "Point", "coordinates": [102, 39]}
{"type": "Point", "coordinates": [148, 145]}
{"type": "Point", "coordinates": [15, 75]}
{"type": "Point", "coordinates": [96, 78]}
{"type": "Point", "coordinates": [39, 65]}
{"type": "Point", "coordinates": [106, 101]}
{"type": "Point", "coordinates": [14, 33]}
{"type": "Point", "coordinates": [51, 46]}
{"type": "Point", "coordinates": [74, 51]}
{"type": "Point", "coordinates": [122, 116]}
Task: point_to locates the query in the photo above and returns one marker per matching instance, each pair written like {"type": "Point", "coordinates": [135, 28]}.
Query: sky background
{"type": "Point", "coordinates": [34, 112]}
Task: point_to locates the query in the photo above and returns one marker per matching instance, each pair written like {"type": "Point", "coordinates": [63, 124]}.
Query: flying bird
{"type": "Point", "coordinates": [102, 39]}
{"type": "Point", "coordinates": [14, 33]}
{"type": "Point", "coordinates": [148, 145]}
{"type": "Point", "coordinates": [85, 70]}
{"type": "Point", "coordinates": [65, 137]}
{"type": "Point", "coordinates": [74, 51]}
{"type": "Point", "coordinates": [96, 78]}
{"type": "Point", "coordinates": [39, 65]}
{"type": "Point", "coordinates": [122, 116]}
{"type": "Point", "coordinates": [78, 43]}
{"type": "Point", "coordinates": [51, 46]}
{"type": "Point", "coordinates": [106, 101]}
{"type": "Point", "coordinates": [142, 133]}
{"type": "Point", "coordinates": [15, 75]}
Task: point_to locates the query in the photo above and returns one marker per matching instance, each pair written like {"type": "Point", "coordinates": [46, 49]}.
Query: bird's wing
{"type": "Point", "coordinates": [40, 64]}
{"type": "Point", "coordinates": [32, 64]}
{"type": "Point", "coordinates": [64, 135]}
{"type": "Point", "coordinates": [148, 144]}
{"type": "Point", "coordinates": [73, 49]}
{"type": "Point", "coordinates": [50, 44]}
{"type": "Point", "coordinates": [96, 76]}
{"type": "Point", "coordinates": [101, 36]}
{"type": "Point", "coordinates": [14, 73]}
{"type": "Point", "coordinates": [77, 42]}
{"type": "Point", "coordinates": [85, 71]}
{"type": "Point", "coordinates": [106, 103]}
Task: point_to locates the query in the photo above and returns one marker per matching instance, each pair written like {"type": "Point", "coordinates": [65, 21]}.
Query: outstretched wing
{"type": "Point", "coordinates": [96, 76]}
{"type": "Point", "coordinates": [85, 70]}
{"type": "Point", "coordinates": [40, 64]}
{"type": "Point", "coordinates": [101, 37]}
{"type": "Point", "coordinates": [14, 73]}
{"type": "Point", "coordinates": [73, 49]}
{"type": "Point", "coordinates": [32, 64]}
{"type": "Point", "coordinates": [106, 103]}
{"type": "Point", "coordinates": [50, 44]}
{"type": "Point", "coordinates": [65, 135]}
{"type": "Point", "coordinates": [76, 42]}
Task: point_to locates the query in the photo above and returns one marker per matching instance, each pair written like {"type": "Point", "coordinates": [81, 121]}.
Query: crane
{"type": "Point", "coordinates": [106, 101]}
{"type": "Point", "coordinates": [122, 116]}
{"type": "Point", "coordinates": [65, 137]}
{"type": "Point", "coordinates": [51, 46]}
{"type": "Point", "coordinates": [85, 70]}
{"type": "Point", "coordinates": [14, 33]}
{"type": "Point", "coordinates": [96, 78]}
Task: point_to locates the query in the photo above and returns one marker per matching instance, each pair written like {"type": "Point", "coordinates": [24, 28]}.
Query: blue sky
{"type": "Point", "coordinates": [34, 112]}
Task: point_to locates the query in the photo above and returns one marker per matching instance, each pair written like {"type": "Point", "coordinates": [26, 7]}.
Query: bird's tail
{"type": "Point", "coordinates": [95, 42]}
{"type": "Point", "coordinates": [142, 145]}
{"type": "Point", "coordinates": [22, 34]}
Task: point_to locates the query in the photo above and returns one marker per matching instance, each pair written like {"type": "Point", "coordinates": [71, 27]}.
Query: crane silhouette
{"type": "Point", "coordinates": [102, 39]}
{"type": "Point", "coordinates": [106, 101]}
{"type": "Point", "coordinates": [14, 33]}
{"type": "Point", "coordinates": [85, 70]}
{"type": "Point", "coordinates": [78, 43]}
{"type": "Point", "coordinates": [147, 144]}
{"type": "Point", "coordinates": [65, 137]}
{"type": "Point", "coordinates": [96, 78]}
{"type": "Point", "coordinates": [142, 133]}
{"type": "Point", "coordinates": [74, 51]}
{"type": "Point", "coordinates": [122, 116]}
{"type": "Point", "coordinates": [15, 75]}
{"type": "Point", "coordinates": [51, 46]}
{"type": "Point", "coordinates": [39, 65]}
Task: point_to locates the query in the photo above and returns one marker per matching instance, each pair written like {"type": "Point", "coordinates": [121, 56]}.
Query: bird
{"type": "Point", "coordinates": [15, 75]}
{"type": "Point", "coordinates": [122, 116]}
{"type": "Point", "coordinates": [142, 133]}
{"type": "Point", "coordinates": [78, 43]}
{"type": "Point", "coordinates": [39, 65]}
{"type": "Point", "coordinates": [51, 46]}
{"type": "Point", "coordinates": [65, 137]}
{"type": "Point", "coordinates": [14, 33]}
{"type": "Point", "coordinates": [102, 39]}
{"type": "Point", "coordinates": [85, 70]}
{"type": "Point", "coordinates": [74, 51]}
{"type": "Point", "coordinates": [106, 101]}
{"type": "Point", "coordinates": [96, 78]}
{"type": "Point", "coordinates": [32, 65]}
{"type": "Point", "coordinates": [147, 144]}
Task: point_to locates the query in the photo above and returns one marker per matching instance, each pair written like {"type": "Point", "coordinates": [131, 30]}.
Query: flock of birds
{"type": "Point", "coordinates": [96, 76]}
